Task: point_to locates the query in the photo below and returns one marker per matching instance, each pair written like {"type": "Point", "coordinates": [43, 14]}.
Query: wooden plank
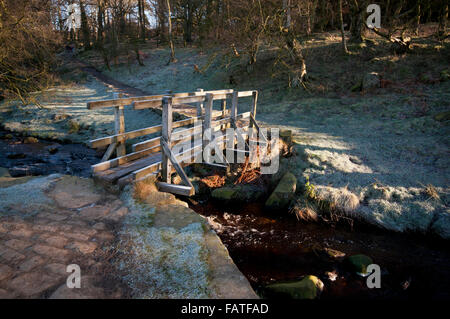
{"type": "Point", "coordinates": [146, 104]}
{"type": "Point", "coordinates": [179, 98]}
{"type": "Point", "coordinates": [185, 132]}
{"type": "Point", "coordinates": [176, 189]}
{"type": "Point", "coordinates": [113, 174]}
{"type": "Point", "coordinates": [124, 159]}
{"type": "Point", "coordinates": [166, 136]}
{"type": "Point", "coordinates": [151, 142]}
{"type": "Point", "coordinates": [146, 144]}
{"type": "Point", "coordinates": [117, 102]}
{"type": "Point", "coordinates": [128, 101]}
{"type": "Point", "coordinates": [103, 141]}
{"type": "Point", "coordinates": [178, 168]}
{"type": "Point", "coordinates": [245, 93]}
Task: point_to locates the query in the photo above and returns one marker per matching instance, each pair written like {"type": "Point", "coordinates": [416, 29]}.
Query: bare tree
{"type": "Point", "coordinates": [341, 19]}
{"type": "Point", "coordinates": [172, 49]}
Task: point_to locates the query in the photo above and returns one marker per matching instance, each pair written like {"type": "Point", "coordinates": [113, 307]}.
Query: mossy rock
{"type": "Point", "coordinates": [30, 140]}
{"type": "Point", "coordinates": [224, 193]}
{"type": "Point", "coordinates": [283, 193]}
{"type": "Point", "coordinates": [444, 76]}
{"type": "Point", "coordinates": [309, 287]}
{"type": "Point", "coordinates": [333, 253]}
{"type": "Point", "coordinates": [239, 193]}
{"type": "Point", "coordinates": [359, 263]}
{"type": "Point", "coordinates": [443, 116]}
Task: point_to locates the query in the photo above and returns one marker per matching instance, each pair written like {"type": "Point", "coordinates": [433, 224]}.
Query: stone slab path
{"type": "Point", "coordinates": [43, 229]}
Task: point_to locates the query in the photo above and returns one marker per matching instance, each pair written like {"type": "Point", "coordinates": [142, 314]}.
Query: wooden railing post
{"type": "Point", "coordinates": [199, 105]}
{"type": "Point", "coordinates": [208, 118]}
{"type": "Point", "coordinates": [234, 106]}
{"type": "Point", "coordinates": [166, 136]}
{"type": "Point", "coordinates": [119, 125]}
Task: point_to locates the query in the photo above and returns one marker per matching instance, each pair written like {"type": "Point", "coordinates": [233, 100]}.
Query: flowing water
{"type": "Point", "coordinates": [44, 157]}
{"type": "Point", "coordinates": [273, 247]}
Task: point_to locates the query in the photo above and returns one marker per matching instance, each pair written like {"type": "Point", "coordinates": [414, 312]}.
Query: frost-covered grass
{"type": "Point", "coordinates": [350, 142]}
{"type": "Point", "coordinates": [62, 114]}
{"type": "Point", "coordinates": [160, 261]}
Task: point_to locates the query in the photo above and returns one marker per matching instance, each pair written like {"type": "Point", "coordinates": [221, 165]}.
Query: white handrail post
{"type": "Point", "coordinates": [166, 136]}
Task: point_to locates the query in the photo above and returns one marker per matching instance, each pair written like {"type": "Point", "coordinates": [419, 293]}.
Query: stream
{"type": "Point", "coordinates": [276, 247]}
{"type": "Point", "coordinates": [24, 158]}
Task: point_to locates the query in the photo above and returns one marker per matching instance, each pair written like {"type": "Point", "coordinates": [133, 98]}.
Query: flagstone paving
{"type": "Point", "coordinates": [74, 227]}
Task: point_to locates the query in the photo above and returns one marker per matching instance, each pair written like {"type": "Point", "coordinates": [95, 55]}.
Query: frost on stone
{"type": "Point", "coordinates": [32, 194]}
{"type": "Point", "coordinates": [162, 262]}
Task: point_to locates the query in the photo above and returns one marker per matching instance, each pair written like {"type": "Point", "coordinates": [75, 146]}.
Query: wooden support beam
{"type": "Point", "coordinates": [176, 189]}
{"type": "Point", "coordinates": [253, 121]}
{"type": "Point", "coordinates": [109, 151]}
{"type": "Point", "coordinates": [166, 136]}
{"type": "Point", "coordinates": [167, 152]}
{"type": "Point", "coordinates": [119, 128]}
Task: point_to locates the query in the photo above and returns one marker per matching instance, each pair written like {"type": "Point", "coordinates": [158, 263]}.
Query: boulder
{"type": "Point", "coordinates": [225, 193]}
{"type": "Point", "coordinates": [371, 80]}
{"type": "Point", "coordinates": [359, 263]}
{"type": "Point", "coordinates": [28, 170]}
{"type": "Point", "coordinates": [238, 193]}
{"type": "Point", "coordinates": [443, 116]}
{"type": "Point", "coordinates": [309, 287]}
{"type": "Point", "coordinates": [30, 140]}
{"type": "Point", "coordinates": [444, 76]}
{"type": "Point", "coordinates": [283, 193]}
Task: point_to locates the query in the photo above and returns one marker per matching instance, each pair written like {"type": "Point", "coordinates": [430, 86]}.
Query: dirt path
{"type": "Point", "coordinates": [112, 83]}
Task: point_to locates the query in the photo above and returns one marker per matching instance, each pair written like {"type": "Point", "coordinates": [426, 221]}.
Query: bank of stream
{"type": "Point", "coordinates": [273, 246]}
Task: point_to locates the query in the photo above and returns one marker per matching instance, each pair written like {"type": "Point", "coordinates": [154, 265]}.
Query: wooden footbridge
{"type": "Point", "coordinates": [156, 155]}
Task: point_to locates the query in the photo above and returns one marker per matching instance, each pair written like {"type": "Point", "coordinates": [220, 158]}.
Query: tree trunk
{"type": "Point", "coordinates": [85, 27]}
{"type": "Point", "coordinates": [141, 11]}
{"type": "Point", "coordinates": [100, 14]}
{"type": "Point", "coordinates": [188, 22]}
{"type": "Point", "coordinates": [358, 10]}
{"type": "Point", "coordinates": [417, 18]}
{"type": "Point", "coordinates": [341, 18]}
{"type": "Point", "coordinates": [298, 70]}
{"type": "Point", "coordinates": [443, 17]}
{"type": "Point", "coordinates": [172, 49]}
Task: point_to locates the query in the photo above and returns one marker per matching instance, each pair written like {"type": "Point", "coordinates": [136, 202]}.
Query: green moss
{"type": "Point", "coordinates": [443, 116]}
{"type": "Point", "coordinates": [307, 288]}
{"type": "Point", "coordinates": [224, 193]}
{"type": "Point", "coordinates": [359, 263]}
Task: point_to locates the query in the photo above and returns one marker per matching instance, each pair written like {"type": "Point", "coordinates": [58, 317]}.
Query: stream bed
{"type": "Point", "coordinates": [276, 247]}
{"type": "Point", "coordinates": [26, 156]}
